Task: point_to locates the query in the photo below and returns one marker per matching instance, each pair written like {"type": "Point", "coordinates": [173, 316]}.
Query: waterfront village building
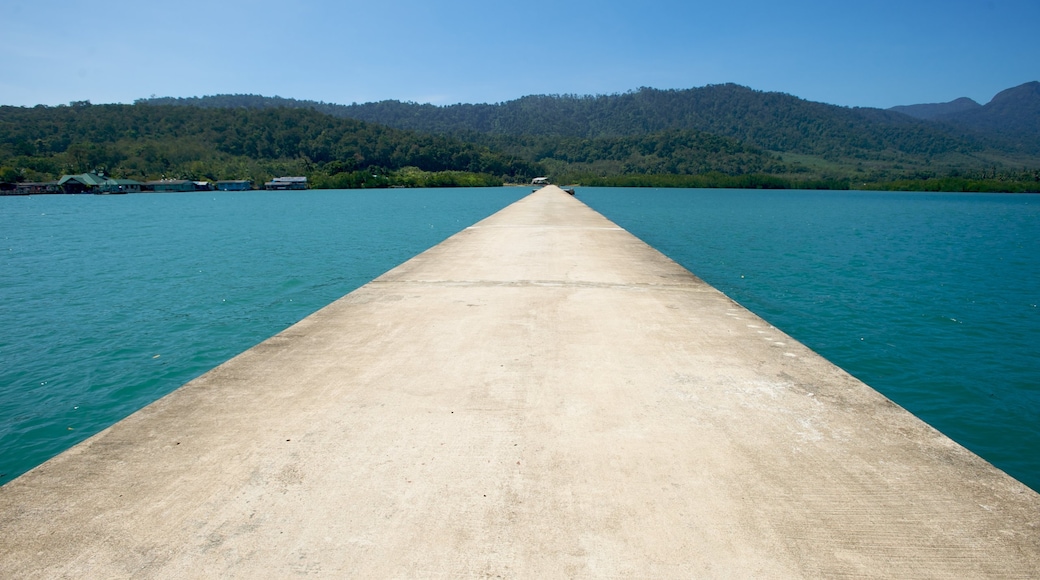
{"type": "Point", "coordinates": [89, 183]}
{"type": "Point", "coordinates": [234, 185]}
{"type": "Point", "coordinates": [37, 188]}
{"type": "Point", "coordinates": [170, 185]}
{"type": "Point", "coordinates": [81, 183]}
{"type": "Point", "coordinates": [94, 183]}
{"type": "Point", "coordinates": [122, 186]}
{"type": "Point", "coordinates": [281, 183]}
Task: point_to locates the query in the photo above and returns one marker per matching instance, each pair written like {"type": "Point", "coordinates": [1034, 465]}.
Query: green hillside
{"type": "Point", "coordinates": [776, 134]}
{"type": "Point", "coordinates": [150, 142]}
{"type": "Point", "coordinates": [717, 136]}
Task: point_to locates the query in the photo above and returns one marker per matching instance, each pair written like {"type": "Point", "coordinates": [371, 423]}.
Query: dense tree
{"type": "Point", "coordinates": [814, 139]}
{"type": "Point", "coordinates": [149, 141]}
{"type": "Point", "coordinates": [718, 136]}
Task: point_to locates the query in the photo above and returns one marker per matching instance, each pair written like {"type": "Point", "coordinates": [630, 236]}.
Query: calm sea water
{"type": "Point", "coordinates": [109, 302]}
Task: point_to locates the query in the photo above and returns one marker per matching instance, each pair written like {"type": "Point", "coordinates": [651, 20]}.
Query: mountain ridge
{"type": "Point", "coordinates": [929, 111]}
{"type": "Point", "coordinates": [1014, 111]}
{"type": "Point", "coordinates": [771, 120]}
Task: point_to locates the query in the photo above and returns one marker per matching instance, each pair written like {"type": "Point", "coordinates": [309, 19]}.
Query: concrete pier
{"type": "Point", "coordinates": [541, 395]}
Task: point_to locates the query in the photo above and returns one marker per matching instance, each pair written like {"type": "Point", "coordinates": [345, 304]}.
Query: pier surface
{"type": "Point", "coordinates": [541, 395]}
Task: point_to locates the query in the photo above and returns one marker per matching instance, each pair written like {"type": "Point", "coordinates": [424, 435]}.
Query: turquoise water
{"type": "Point", "coordinates": [110, 302]}
{"type": "Point", "coordinates": [929, 298]}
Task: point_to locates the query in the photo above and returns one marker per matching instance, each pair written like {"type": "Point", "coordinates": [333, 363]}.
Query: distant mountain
{"type": "Point", "coordinates": [1012, 117]}
{"type": "Point", "coordinates": [933, 110]}
{"type": "Point", "coordinates": [1014, 112]}
{"type": "Point", "coordinates": [768, 120]}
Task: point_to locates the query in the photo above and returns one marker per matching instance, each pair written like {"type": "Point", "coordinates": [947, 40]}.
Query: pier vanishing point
{"type": "Point", "coordinates": [540, 396]}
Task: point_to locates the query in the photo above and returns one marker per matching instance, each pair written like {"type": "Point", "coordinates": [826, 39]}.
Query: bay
{"type": "Point", "coordinates": [110, 302]}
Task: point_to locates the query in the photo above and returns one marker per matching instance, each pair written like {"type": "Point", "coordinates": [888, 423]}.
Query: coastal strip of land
{"type": "Point", "coordinates": [541, 395]}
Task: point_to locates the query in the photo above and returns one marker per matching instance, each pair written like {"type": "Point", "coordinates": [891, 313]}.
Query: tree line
{"type": "Point", "coordinates": [716, 136]}
{"type": "Point", "coordinates": [151, 142]}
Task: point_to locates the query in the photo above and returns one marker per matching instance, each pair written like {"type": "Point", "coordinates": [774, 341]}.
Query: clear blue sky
{"type": "Point", "coordinates": [854, 53]}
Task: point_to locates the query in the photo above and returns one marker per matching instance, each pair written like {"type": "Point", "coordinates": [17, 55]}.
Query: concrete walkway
{"type": "Point", "coordinates": [542, 395]}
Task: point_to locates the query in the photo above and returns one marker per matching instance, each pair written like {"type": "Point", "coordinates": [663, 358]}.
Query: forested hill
{"type": "Point", "coordinates": [149, 141]}
{"type": "Point", "coordinates": [772, 121]}
{"type": "Point", "coordinates": [1014, 113]}
{"type": "Point", "coordinates": [719, 135]}
{"type": "Point", "coordinates": [936, 110]}
{"type": "Point", "coordinates": [768, 120]}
